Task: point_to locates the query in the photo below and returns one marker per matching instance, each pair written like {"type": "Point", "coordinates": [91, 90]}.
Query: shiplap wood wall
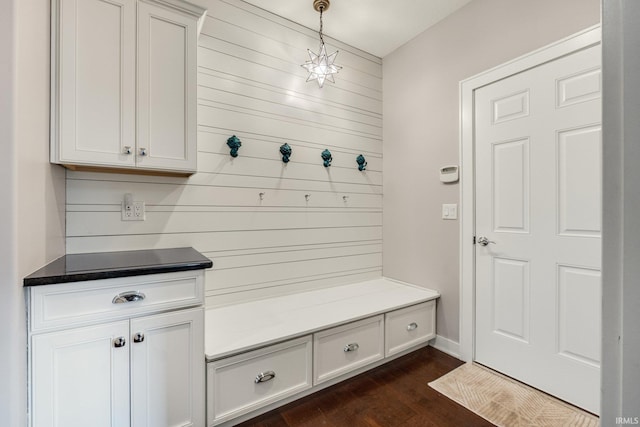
{"type": "Point", "coordinates": [250, 84]}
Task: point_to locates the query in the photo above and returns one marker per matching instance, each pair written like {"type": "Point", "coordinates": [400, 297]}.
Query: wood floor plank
{"type": "Point", "coordinates": [392, 395]}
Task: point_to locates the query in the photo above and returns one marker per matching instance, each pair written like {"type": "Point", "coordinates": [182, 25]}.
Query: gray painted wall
{"type": "Point", "coordinates": [421, 123]}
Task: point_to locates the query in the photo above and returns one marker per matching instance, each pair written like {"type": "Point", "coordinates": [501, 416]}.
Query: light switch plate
{"type": "Point", "coordinates": [449, 211]}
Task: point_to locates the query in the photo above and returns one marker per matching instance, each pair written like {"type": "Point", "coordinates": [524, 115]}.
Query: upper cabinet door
{"type": "Point", "coordinates": [93, 58]}
{"type": "Point", "coordinates": [167, 67]}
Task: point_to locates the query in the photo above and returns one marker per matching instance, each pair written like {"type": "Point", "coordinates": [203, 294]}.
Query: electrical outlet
{"type": "Point", "coordinates": [133, 211]}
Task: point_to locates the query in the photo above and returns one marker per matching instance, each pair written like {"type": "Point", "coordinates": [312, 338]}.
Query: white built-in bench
{"type": "Point", "coordinates": [262, 354]}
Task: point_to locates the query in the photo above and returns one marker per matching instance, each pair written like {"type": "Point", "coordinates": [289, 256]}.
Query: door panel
{"type": "Point", "coordinates": [97, 81]}
{"type": "Point", "coordinates": [78, 375]}
{"type": "Point", "coordinates": [167, 63]}
{"type": "Point", "coordinates": [538, 200]}
{"type": "Point", "coordinates": [167, 370]}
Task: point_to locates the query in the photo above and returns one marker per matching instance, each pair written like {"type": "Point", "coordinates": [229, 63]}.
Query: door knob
{"type": "Point", "coordinates": [483, 241]}
{"type": "Point", "coordinates": [138, 337]}
{"type": "Point", "coordinates": [119, 342]}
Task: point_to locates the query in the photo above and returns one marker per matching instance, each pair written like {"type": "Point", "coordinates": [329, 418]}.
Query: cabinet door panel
{"type": "Point", "coordinates": [79, 378]}
{"type": "Point", "coordinates": [167, 370]}
{"type": "Point", "coordinates": [96, 81]}
{"type": "Point", "coordinates": [167, 64]}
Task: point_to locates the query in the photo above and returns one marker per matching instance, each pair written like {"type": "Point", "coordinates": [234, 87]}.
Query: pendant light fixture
{"type": "Point", "coordinates": [320, 66]}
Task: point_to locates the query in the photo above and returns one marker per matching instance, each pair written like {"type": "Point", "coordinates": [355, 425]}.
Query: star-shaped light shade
{"type": "Point", "coordinates": [321, 66]}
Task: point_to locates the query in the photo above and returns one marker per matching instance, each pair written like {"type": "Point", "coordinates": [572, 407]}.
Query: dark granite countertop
{"type": "Point", "coordinates": [109, 265]}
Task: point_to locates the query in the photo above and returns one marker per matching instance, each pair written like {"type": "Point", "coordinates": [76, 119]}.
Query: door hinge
{"type": "Point", "coordinates": [474, 240]}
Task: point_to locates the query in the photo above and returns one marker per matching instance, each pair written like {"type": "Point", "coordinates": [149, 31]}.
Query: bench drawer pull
{"type": "Point", "coordinates": [412, 326]}
{"type": "Point", "coordinates": [131, 296]}
{"type": "Point", "coordinates": [351, 347]}
{"type": "Point", "coordinates": [263, 377]}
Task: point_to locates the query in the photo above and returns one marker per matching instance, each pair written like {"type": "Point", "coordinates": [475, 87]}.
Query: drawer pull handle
{"type": "Point", "coordinates": [138, 337]}
{"type": "Point", "coordinates": [119, 342]}
{"type": "Point", "coordinates": [351, 347]}
{"type": "Point", "coordinates": [131, 296]}
{"type": "Point", "coordinates": [263, 377]}
{"type": "Point", "coordinates": [412, 326]}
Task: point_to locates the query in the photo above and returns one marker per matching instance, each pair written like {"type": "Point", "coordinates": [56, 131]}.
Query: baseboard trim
{"type": "Point", "coordinates": [445, 345]}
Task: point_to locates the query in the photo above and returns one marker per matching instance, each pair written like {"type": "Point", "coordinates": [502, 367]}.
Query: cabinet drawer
{"type": "Point", "coordinates": [240, 384]}
{"type": "Point", "coordinates": [78, 303]}
{"type": "Point", "coordinates": [409, 326]}
{"type": "Point", "coordinates": [345, 348]}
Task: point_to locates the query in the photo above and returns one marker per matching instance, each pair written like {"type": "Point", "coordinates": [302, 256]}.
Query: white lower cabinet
{"type": "Point", "coordinates": [254, 381]}
{"type": "Point", "coordinates": [240, 384]}
{"type": "Point", "coordinates": [122, 370]}
{"type": "Point", "coordinates": [339, 350]}
{"type": "Point", "coordinates": [408, 327]}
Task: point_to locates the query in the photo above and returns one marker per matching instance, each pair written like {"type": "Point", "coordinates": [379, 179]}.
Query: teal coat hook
{"type": "Point", "coordinates": [362, 162]}
{"type": "Point", "coordinates": [326, 156]}
{"type": "Point", "coordinates": [285, 150]}
{"type": "Point", "coordinates": [234, 143]}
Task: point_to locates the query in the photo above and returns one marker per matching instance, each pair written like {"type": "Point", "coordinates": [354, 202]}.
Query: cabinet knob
{"type": "Point", "coordinates": [138, 337]}
{"type": "Point", "coordinates": [351, 347]}
{"type": "Point", "coordinates": [119, 342]}
{"type": "Point", "coordinates": [263, 377]}
{"type": "Point", "coordinates": [126, 149]}
{"type": "Point", "coordinates": [143, 151]}
{"type": "Point", "coordinates": [412, 326]}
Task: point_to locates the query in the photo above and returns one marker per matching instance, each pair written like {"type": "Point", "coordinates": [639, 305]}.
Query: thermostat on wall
{"type": "Point", "coordinates": [449, 173]}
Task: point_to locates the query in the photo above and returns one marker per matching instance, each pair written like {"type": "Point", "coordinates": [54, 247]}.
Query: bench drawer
{"type": "Point", "coordinates": [80, 303]}
{"type": "Point", "coordinates": [409, 327]}
{"type": "Point", "coordinates": [243, 383]}
{"type": "Point", "coordinates": [346, 348]}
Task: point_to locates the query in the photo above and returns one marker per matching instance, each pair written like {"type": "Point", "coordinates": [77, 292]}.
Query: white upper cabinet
{"type": "Point", "coordinates": [124, 84]}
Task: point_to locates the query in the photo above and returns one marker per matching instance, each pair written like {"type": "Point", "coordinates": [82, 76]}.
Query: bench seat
{"type": "Point", "coordinates": [241, 327]}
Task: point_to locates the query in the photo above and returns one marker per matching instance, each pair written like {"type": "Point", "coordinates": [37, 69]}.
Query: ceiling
{"type": "Point", "coordinates": [375, 26]}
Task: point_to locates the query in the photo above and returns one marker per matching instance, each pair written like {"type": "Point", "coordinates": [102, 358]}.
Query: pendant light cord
{"type": "Point", "coordinates": [321, 39]}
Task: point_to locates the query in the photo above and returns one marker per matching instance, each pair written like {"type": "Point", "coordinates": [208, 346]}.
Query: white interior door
{"type": "Point", "coordinates": [538, 203]}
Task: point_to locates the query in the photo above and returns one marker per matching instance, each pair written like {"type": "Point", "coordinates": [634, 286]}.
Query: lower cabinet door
{"type": "Point", "coordinates": [80, 377]}
{"type": "Point", "coordinates": [167, 369]}
{"type": "Point", "coordinates": [240, 384]}
{"type": "Point", "coordinates": [342, 349]}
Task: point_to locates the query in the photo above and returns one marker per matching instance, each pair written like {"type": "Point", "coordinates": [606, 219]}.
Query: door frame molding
{"type": "Point", "coordinates": [579, 41]}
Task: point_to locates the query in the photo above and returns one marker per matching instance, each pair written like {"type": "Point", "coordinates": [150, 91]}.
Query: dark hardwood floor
{"type": "Point", "coordinates": [394, 394]}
